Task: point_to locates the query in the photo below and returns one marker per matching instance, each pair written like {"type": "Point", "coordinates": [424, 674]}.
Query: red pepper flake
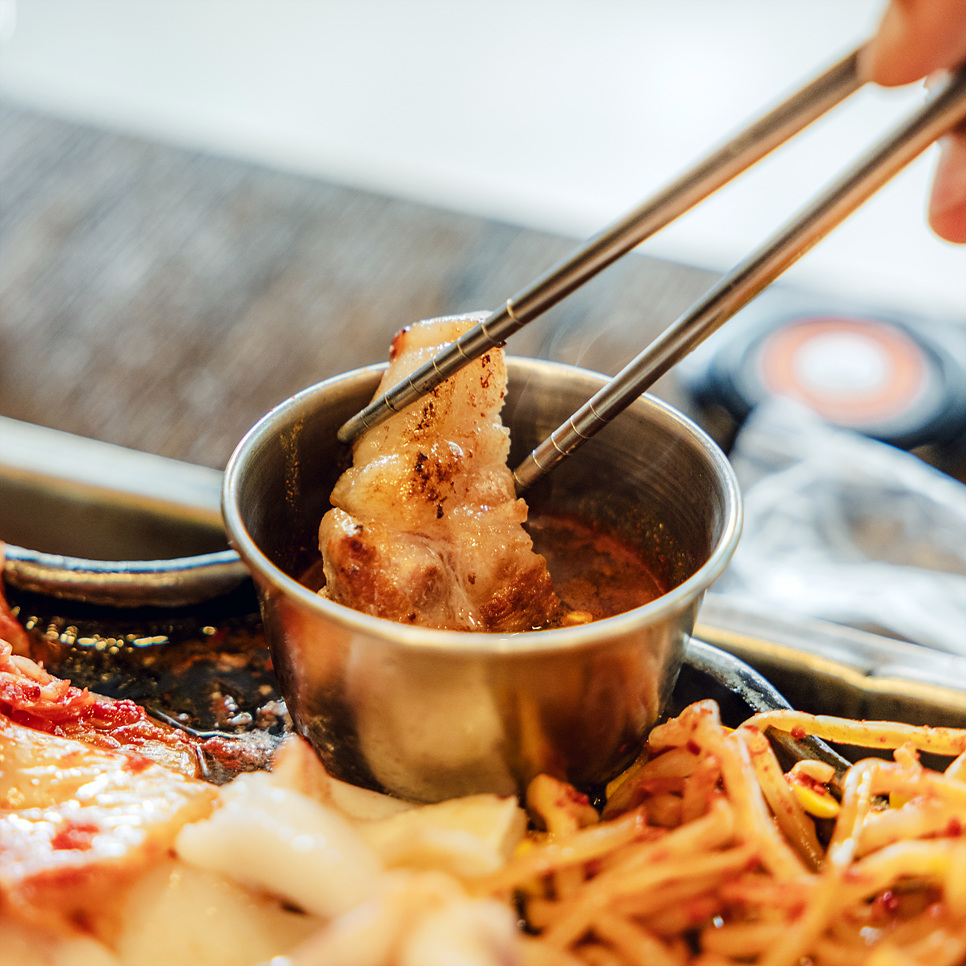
{"type": "Point", "coordinates": [136, 763]}
{"type": "Point", "coordinates": [885, 905]}
{"type": "Point", "coordinates": [74, 835]}
{"type": "Point", "coordinates": [798, 732]}
{"type": "Point", "coordinates": [567, 794]}
{"type": "Point", "coordinates": [812, 784]}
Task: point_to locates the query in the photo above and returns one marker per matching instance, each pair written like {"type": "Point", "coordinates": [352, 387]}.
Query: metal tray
{"type": "Point", "coordinates": [85, 520]}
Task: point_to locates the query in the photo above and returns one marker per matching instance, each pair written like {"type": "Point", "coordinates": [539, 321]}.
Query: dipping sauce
{"type": "Point", "coordinates": [594, 571]}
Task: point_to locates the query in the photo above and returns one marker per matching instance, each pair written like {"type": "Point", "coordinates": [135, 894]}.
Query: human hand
{"type": "Point", "coordinates": [916, 38]}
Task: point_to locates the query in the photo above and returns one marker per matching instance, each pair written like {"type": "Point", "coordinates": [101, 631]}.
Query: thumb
{"type": "Point", "coordinates": [915, 38]}
{"type": "Point", "coordinates": [947, 204]}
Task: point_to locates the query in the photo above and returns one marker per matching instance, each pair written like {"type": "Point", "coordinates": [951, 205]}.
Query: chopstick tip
{"type": "Point", "coordinates": [350, 429]}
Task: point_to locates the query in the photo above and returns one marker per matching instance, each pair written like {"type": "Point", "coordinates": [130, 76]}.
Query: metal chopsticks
{"type": "Point", "coordinates": [752, 275]}
{"type": "Point", "coordinates": [945, 106]}
{"type": "Point", "coordinates": [696, 184]}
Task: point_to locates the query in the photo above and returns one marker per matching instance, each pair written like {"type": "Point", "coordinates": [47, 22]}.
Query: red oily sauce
{"type": "Point", "coordinates": [594, 571]}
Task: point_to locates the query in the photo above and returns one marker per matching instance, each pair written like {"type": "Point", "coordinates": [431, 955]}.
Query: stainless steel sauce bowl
{"type": "Point", "coordinates": [428, 714]}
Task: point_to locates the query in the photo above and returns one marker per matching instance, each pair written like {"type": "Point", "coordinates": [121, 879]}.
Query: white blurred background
{"type": "Point", "coordinates": [553, 114]}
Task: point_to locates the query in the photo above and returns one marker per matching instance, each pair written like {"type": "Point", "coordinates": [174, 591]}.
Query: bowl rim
{"type": "Point", "coordinates": [449, 642]}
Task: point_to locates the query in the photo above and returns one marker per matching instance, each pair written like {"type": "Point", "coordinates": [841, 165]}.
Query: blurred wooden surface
{"type": "Point", "coordinates": [163, 300]}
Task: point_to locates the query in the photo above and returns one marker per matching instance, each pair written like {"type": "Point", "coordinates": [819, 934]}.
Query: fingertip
{"type": "Point", "coordinates": [915, 38]}
{"type": "Point", "coordinates": [950, 223]}
{"type": "Point", "coordinates": [947, 202]}
{"type": "Point", "coordinates": [884, 60]}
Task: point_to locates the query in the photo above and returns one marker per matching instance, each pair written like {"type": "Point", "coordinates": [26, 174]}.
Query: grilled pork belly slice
{"type": "Point", "coordinates": [426, 527]}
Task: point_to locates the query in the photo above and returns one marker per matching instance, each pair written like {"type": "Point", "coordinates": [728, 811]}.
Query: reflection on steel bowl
{"type": "Point", "coordinates": [429, 714]}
